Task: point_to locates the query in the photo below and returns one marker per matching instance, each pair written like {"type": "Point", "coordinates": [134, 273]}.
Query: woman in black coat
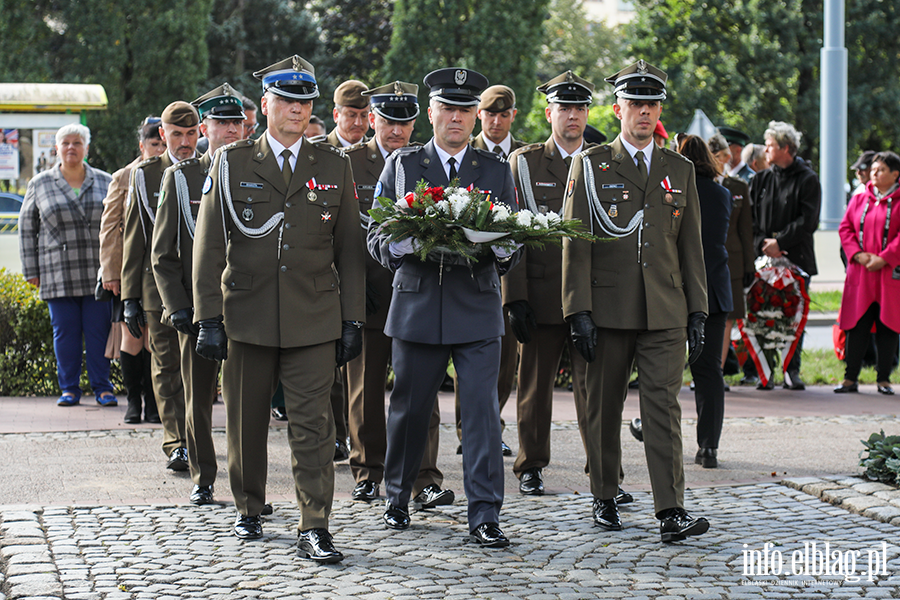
{"type": "Point", "coordinates": [715, 213]}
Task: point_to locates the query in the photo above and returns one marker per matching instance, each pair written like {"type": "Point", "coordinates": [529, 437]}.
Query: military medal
{"type": "Point", "coordinates": [543, 209]}
{"type": "Point", "coordinates": [613, 211]}
{"type": "Point", "coordinates": [669, 198]}
{"type": "Point", "coordinates": [311, 196]}
{"type": "Point", "coordinates": [625, 195]}
{"type": "Point", "coordinates": [311, 185]}
{"type": "Point", "coordinates": [247, 214]}
{"type": "Point", "coordinates": [326, 216]}
{"type": "Point", "coordinates": [604, 166]}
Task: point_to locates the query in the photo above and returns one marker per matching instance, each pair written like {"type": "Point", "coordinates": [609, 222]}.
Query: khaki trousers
{"type": "Point", "coordinates": [200, 378]}
{"type": "Point", "coordinates": [165, 368]}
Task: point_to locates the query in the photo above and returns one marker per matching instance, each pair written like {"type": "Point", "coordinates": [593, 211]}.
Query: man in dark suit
{"type": "Point", "coordinates": [638, 299]}
{"type": "Point", "coordinates": [279, 290]}
{"type": "Point", "coordinates": [446, 308]}
{"type": "Point", "coordinates": [394, 108]}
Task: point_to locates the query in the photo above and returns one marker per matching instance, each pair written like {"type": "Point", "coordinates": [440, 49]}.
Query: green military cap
{"type": "Point", "coordinates": [350, 93]}
{"type": "Point", "coordinates": [395, 101]}
{"type": "Point", "coordinates": [180, 113]}
{"type": "Point", "coordinates": [734, 136]}
{"type": "Point", "coordinates": [292, 77]}
{"type": "Point", "coordinates": [497, 98]}
{"type": "Point", "coordinates": [568, 88]}
{"type": "Point", "coordinates": [224, 102]}
{"type": "Point", "coordinates": [640, 81]}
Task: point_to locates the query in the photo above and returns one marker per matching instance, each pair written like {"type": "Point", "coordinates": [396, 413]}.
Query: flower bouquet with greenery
{"type": "Point", "coordinates": [465, 221]}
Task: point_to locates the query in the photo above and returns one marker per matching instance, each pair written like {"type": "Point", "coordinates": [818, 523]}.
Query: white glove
{"type": "Point", "coordinates": [403, 247]}
{"type": "Point", "coordinates": [503, 253]}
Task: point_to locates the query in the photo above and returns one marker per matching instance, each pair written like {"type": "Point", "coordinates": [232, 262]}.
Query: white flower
{"type": "Point", "coordinates": [524, 217]}
{"type": "Point", "coordinates": [430, 211]}
{"type": "Point", "coordinates": [553, 218]}
{"type": "Point", "coordinates": [443, 207]}
{"type": "Point", "coordinates": [500, 212]}
{"type": "Point", "coordinates": [459, 201]}
{"type": "Point", "coordinates": [541, 221]}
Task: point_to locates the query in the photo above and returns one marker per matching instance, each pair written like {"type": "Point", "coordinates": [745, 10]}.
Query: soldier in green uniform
{"type": "Point", "coordinates": [222, 115]}
{"type": "Point", "coordinates": [279, 291]}
{"type": "Point", "coordinates": [394, 108]}
{"type": "Point", "coordinates": [179, 131]}
{"type": "Point", "coordinates": [637, 299]}
{"type": "Point", "coordinates": [351, 115]}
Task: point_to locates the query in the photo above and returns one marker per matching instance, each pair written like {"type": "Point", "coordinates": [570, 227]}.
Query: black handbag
{"type": "Point", "coordinates": [101, 294]}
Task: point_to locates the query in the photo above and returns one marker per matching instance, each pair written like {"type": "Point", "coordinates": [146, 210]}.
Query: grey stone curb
{"type": "Point", "coordinates": [854, 494]}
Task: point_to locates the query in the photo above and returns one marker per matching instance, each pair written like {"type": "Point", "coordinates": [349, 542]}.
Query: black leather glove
{"type": "Point", "coordinates": [584, 334]}
{"type": "Point", "coordinates": [749, 278]}
{"type": "Point", "coordinates": [212, 343]}
{"type": "Point", "coordinates": [134, 317]}
{"type": "Point", "coordinates": [350, 344]}
{"type": "Point", "coordinates": [373, 302]}
{"type": "Point", "coordinates": [183, 321]}
{"type": "Point", "coordinates": [696, 337]}
{"type": "Point", "coordinates": [521, 317]}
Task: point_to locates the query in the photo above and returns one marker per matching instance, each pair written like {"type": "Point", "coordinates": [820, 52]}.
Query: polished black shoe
{"type": "Point", "coordinates": [133, 412]}
{"type": "Point", "coordinates": [178, 460]}
{"type": "Point", "coordinates": [248, 528]}
{"type": "Point", "coordinates": [202, 494]}
{"type": "Point", "coordinates": [887, 390]}
{"type": "Point", "coordinates": [267, 510]}
{"type": "Point", "coordinates": [365, 491]}
{"type": "Point", "coordinates": [706, 458]}
{"type": "Point", "coordinates": [489, 535]}
{"type": "Point", "coordinates": [433, 496]}
{"type": "Point", "coordinates": [341, 452]}
{"type": "Point", "coordinates": [459, 449]}
{"type": "Point", "coordinates": [278, 413]}
{"type": "Point", "coordinates": [636, 429]}
{"type": "Point", "coordinates": [792, 381]}
{"type": "Point", "coordinates": [750, 380]}
{"type": "Point", "coordinates": [315, 544]}
{"type": "Point", "coordinates": [606, 514]}
{"type": "Point", "coordinates": [677, 524]}
{"type": "Point", "coordinates": [152, 417]}
{"type": "Point", "coordinates": [531, 483]}
{"type": "Point", "coordinates": [395, 517]}
{"type": "Point", "coordinates": [623, 497]}
{"type": "Point", "coordinates": [507, 451]}
{"type": "Point", "coordinates": [847, 389]}
{"type": "Point", "coordinates": [769, 386]}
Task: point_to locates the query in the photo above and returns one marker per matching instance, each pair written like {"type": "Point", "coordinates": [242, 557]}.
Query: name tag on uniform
{"type": "Point", "coordinates": [364, 187]}
{"type": "Point", "coordinates": [613, 186]}
{"type": "Point", "coordinates": [248, 184]}
{"type": "Point", "coordinates": [545, 184]}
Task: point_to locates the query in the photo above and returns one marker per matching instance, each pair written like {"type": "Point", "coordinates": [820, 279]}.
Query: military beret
{"type": "Point", "coordinates": [459, 87]}
{"type": "Point", "coordinates": [640, 81]}
{"type": "Point", "coordinates": [350, 93]}
{"type": "Point", "coordinates": [395, 101]}
{"type": "Point", "coordinates": [734, 136]}
{"type": "Point", "coordinates": [568, 88]}
{"type": "Point", "coordinates": [224, 102]}
{"type": "Point", "coordinates": [497, 98]}
{"type": "Point", "coordinates": [292, 77]}
{"type": "Point", "coordinates": [180, 113]}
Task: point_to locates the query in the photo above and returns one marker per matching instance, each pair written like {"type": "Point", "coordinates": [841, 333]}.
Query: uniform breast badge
{"type": "Point", "coordinates": [604, 166]}
{"type": "Point", "coordinates": [613, 211]}
{"type": "Point", "coordinates": [247, 214]}
{"type": "Point", "coordinates": [326, 216]}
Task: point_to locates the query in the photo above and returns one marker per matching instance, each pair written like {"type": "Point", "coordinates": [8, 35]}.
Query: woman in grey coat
{"type": "Point", "coordinates": [59, 229]}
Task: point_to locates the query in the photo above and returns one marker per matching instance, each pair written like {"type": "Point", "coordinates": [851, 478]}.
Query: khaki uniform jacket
{"type": "Point", "coordinates": [173, 235]}
{"type": "Point", "coordinates": [625, 286]}
{"type": "Point", "coordinates": [739, 244]}
{"type": "Point", "coordinates": [482, 144]}
{"type": "Point", "coordinates": [294, 285]}
{"type": "Point", "coordinates": [332, 139]}
{"type": "Point", "coordinates": [541, 185]}
{"type": "Point", "coordinates": [113, 220]}
{"type": "Point", "coordinates": [140, 214]}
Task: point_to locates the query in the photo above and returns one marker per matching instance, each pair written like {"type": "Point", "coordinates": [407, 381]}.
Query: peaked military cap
{"type": "Point", "coordinates": [395, 101]}
{"type": "Point", "coordinates": [568, 88]}
{"type": "Point", "coordinates": [180, 113]}
{"type": "Point", "coordinates": [350, 93]}
{"type": "Point", "coordinates": [460, 87]}
{"type": "Point", "coordinates": [497, 98]}
{"type": "Point", "coordinates": [224, 102]}
{"type": "Point", "coordinates": [292, 77]}
{"type": "Point", "coordinates": [734, 136]}
{"type": "Point", "coordinates": [640, 81]}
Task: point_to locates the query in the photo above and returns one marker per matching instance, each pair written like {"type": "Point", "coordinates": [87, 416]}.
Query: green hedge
{"type": "Point", "coordinates": [27, 362]}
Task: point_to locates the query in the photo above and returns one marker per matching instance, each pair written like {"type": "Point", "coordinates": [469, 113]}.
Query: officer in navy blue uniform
{"type": "Point", "coordinates": [446, 308]}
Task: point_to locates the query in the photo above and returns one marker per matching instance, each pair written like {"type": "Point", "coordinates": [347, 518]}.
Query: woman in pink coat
{"type": "Point", "coordinates": [870, 235]}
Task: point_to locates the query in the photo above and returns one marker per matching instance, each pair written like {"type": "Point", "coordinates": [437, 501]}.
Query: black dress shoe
{"type": "Point", "coordinates": [848, 389]}
{"type": "Point", "coordinates": [623, 497]}
{"type": "Point", "coordinates": [750, 380]}
{"type": "Point", "coordinates": [152, 417]}
{"type": "Point", "coordinates": [886, 390]}
{"type": "Point", "coordinates": [606, 514]}
{"type": "Point", "coordinates": [727, 388]}
{"type": "Point", "coordinates": [507, 451]}
{"type": "Point", "coordinates": [795, 382]}
{"type": "Point", "coordinates": [248, 528]}
{"type": "Point", "coordinates": [133, 412]}
{"type": "Point", "coordinates": [278, 413]}
{"type": "Point", "coordinates": [769, 386]}
{"type": "Point", "coordinates": [636, 429]}
{"type": "Point", "coordinates": [202, 494]}
{"type": "Point", "coordinates": [531, 483]}
{"type": "Point", "coordinates": [365, 491]}
{"type": "Point", "coordinates": [489, 535]}
{"type": "Point", "coordinates": [178, 460]}
{"type": "Point", "coordinates": [341, 452]}
{"type": "Point", "coordinates": [677, 524]}
{"type": "Point", "coordinates": [433, 496]}
{"type": "Point", "coordinates": [315, 544]}
{"type": "Point", "coordinates": [706, 457]}
{"type": "Point", "coordinates": [459, 449]}
{"type": "Point", "coordinates": [267, 510]}
{"type": "Point", "coordinates": [634, 384]}
{"type": "Point", "coordinates": [395, 517]}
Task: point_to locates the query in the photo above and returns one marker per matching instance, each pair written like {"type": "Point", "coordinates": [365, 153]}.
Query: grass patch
{"type": "Point", "coordinates": [820, 367]}
{"type": "Point", "coordinates": [829, 301]}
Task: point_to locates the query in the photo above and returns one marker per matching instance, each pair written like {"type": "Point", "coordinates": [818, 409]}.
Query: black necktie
{"type": "Point", "coordinates": [641, 165]}
{"type": "Point", "coordinates": [452, 162]}
{"type": "Point", "coordinates": [286, 166]}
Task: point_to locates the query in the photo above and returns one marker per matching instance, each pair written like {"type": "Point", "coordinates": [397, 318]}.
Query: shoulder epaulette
{"type": "Point", "coordinates": [527, 148]}
{"type": "Point", "coordinates": [323, 145]}
{"type": "Point", "coordinates": [672, 154]}
{"type": "Point", "coordinates": [405, 150]}
{"type": "Point", "coordinates": [488, 154]}
{"type": "Point", "coordinates": [595, 150]}
{"type": "Point", "coordinates": [147, 162]}
{"type": "Point", "coordinates": [185, 163]}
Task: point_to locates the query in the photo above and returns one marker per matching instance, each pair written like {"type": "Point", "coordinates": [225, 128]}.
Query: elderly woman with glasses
{"type": "Point", "coordinates": [59, 229]}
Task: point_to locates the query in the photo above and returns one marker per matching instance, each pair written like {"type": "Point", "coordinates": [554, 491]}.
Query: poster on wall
{"type": "Point", "coordinates": [44, 149]}
{"type": "Point", "coordinates": [9, 154]}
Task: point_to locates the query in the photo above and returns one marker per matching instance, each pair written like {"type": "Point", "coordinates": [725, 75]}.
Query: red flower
{"type": "Point", "coordinates": [770, 323]}
{"type": "Point", "coordinates": [436, 193]}
{"type": "Point", "coordinates": [410, 198]}
{"type": "Point", "coordinates": [790, 311]}
{"type": "Point", "coordinates": [756, 306]}
{"type": "Point", "coordinates": [777, 300]}
{"type": "Point", "coordinates": [751, 318]}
